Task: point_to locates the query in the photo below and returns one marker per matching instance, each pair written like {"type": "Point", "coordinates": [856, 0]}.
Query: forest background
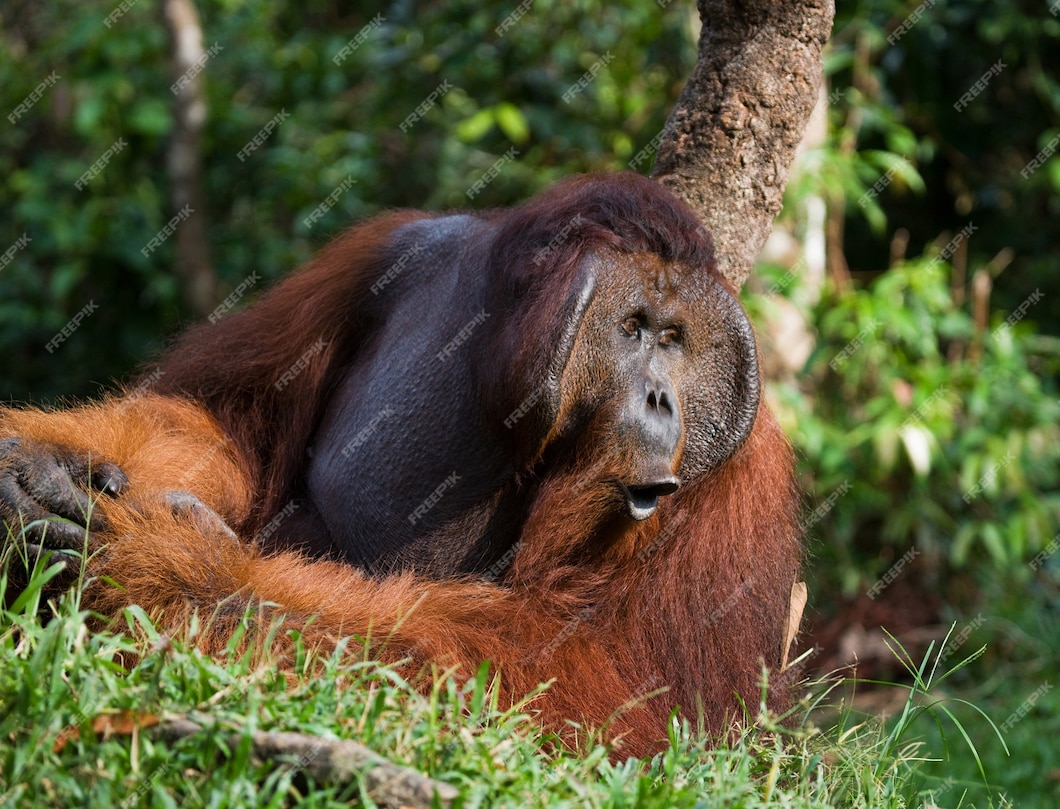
{"type": "Point", "coordinates": [908, 302]}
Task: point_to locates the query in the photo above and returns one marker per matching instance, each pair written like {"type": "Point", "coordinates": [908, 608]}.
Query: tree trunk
{"type": "Point", "coordinates": [730, 139]}
{"type": "Point", "coordinates": [184, 158]}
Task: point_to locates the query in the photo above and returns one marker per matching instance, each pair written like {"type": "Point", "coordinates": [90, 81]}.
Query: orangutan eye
{"type": "Point", "coordinates": [632, 327]}
{"type": "Point", "coordinates": [670, 336]}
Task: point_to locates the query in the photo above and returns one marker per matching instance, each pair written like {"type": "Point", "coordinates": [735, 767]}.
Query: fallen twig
{"type": "Point", "coordinates": [333, 762]}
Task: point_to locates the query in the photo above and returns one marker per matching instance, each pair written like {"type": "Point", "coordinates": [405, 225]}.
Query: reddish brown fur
{"type": "Point", "coordinates": [639, 633]}
{"type": "Point", "coordinates": [692, 601]}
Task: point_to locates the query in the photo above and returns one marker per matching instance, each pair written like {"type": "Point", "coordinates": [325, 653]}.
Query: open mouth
{"type": "Point", "coordinates": [643, 500]}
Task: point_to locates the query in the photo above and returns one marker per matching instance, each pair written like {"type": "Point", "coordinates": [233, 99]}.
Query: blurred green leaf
{"type": "Point", "coordinates": [512, 122]}
{"type": "Point", "coordinates": [475, 128]}
{"type": "Point", "coordinates": [150, 117]}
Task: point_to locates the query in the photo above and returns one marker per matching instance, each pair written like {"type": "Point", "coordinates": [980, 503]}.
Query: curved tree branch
{"type": "Point", "coordinates": [335, 762]}
{"type": "Point", "coordinates": [730, 139]}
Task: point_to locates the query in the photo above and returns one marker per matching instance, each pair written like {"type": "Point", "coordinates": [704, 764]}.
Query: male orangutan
{"type": "Point", "coordinates": [529, 436]}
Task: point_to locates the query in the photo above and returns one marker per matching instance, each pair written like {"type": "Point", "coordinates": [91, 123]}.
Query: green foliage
{"type": "Point", "coordinates": [1021, 635]}
{"type": "Point", "coordinates": [894, 88]}
{"type": "Point", "coordinates": [928, 437]}
{"type": "Point", "coordinates": [946, 437]}
{"type": "Point", "coordinates": [927, 707]}
{"type": "Point", "coordinates": [343, 127]}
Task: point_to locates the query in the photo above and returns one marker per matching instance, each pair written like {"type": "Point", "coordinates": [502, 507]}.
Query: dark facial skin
{"type": "Point", "coordinates": [627, 367]}
{"type": "Point", "coordinates": [663, 353]}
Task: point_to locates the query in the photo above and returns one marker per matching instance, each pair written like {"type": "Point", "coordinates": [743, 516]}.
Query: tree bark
{"type": "Point", "coordinates": [184, 158]}
{"type": "Point", "coordinates": [730, 140]}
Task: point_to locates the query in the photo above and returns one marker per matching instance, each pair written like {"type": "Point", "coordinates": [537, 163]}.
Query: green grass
{"type": "Point", "coordinates": [1021, 633]}
{"type": "Point", "coordinates": [57, 677]}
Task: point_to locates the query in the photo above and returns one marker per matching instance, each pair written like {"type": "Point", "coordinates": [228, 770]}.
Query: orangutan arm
{"type": "Point", "coordinates": [59, 468]}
